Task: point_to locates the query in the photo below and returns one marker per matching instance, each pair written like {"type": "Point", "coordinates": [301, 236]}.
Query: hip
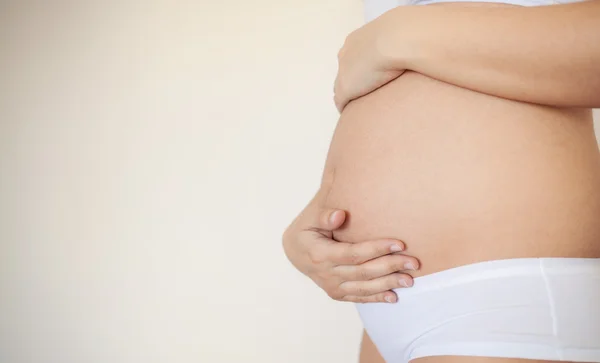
{"type": "Point", "coordinates": [518, 308]}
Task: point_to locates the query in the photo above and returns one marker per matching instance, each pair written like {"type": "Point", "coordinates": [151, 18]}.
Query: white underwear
{"type": "Point", "coordinates": [531, 308]}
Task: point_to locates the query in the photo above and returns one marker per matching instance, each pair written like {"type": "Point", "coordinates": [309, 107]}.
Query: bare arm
{"type": "Point", "coordinates": [546, 54]}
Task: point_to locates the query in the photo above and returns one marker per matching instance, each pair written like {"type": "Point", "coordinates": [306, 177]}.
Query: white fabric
{"type": "Point", "coordinates": [374, 8]}
{"type": "Point", "coordinates": [532, 308]}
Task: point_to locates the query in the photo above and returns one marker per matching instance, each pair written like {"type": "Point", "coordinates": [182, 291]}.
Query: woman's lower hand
{"type": "Point", "coordinates": [356, 272]}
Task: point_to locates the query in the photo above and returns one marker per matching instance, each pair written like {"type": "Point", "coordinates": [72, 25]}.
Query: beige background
{"type": "Point", "coordinates": [151, 154]}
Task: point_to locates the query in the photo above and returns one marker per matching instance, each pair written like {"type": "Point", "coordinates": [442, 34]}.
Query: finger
{"type": "Point", "coordinates": [378, 267]}
{"type": "Point", "coordinates": [331, 219]}
{"type": "Point", "coordinates": [337, 99]}
{"type": "Point", "coordinates": [336, 83]}
{"type": "Point", "coordinates": [361, 252]}
{"type": "Point", "coordinates": [339, 104]}
{"type": "Point", "coordinates": [384, 297]}
{"type": "Point", "coordinates": [376, 286]}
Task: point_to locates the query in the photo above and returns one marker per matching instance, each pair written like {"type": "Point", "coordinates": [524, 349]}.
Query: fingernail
{"type": "Point", "coordinates": [409, 266]}
{"type": "Point", "coordinates": [389, 299]}
{"type": "Point", "coordinates": [396, 248]}
{"type": "Point", "coordinates": [405, 283]}
{"type": "Point", "coordinates": [332, 217]}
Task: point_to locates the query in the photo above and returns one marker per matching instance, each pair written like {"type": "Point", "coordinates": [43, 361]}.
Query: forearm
{"type": "Point", "coordinates": [547, 55]}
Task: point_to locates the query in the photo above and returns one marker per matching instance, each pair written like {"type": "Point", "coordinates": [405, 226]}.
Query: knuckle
{"type": "Point", "coordinates": [362, 291]}
{"type": "Point", "coordinates": [317, 255]}
{"type": "Point", "coordinates": [376, 250]}
{"type": "Point", "coordinates": [321, 277]}
{"type": "Point", "coordinates": [345, 287]}
{"type": "Point", "coordinates": [354, 256]}
{"type": "Point", "coordinates": [396, 264]}
{"type": "Point", "coordinates": [354, 289]}
{"type": "Point", "coordinates": [335, 294]}
{"type": "Point", "coordinates": [363, 274]}
{"type": "Point", "coordinates": [347, 298]}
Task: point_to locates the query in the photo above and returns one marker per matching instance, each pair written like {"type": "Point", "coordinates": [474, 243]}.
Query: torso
{"type": "Point", "coordinates": [463, 177]}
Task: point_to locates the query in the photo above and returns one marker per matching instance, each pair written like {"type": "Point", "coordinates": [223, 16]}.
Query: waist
{"type": "Point", "coordinates": [444, 169]}
{"type": "Point", "coordinates": [524, 308]}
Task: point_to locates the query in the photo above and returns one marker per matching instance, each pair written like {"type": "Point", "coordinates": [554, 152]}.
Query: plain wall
{"type": "Point", "coordinates": [151, 155]}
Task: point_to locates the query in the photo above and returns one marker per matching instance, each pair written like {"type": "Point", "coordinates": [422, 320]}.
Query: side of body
{"type": "Point", "coordinates": [463, 177]}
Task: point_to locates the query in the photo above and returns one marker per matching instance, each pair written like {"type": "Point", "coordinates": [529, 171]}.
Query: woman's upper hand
{"type": "Point", "coordinates": [356, 272]}
{"type": "Point", "coordinates": [362, 63]}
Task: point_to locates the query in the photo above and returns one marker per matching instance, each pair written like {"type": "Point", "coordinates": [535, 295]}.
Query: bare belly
{"type": "Point", "coordinates": [463, 177]}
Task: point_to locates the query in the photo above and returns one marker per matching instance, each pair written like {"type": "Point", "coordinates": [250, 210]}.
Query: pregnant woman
{"type": "Point", "coordinates": [466, 140]}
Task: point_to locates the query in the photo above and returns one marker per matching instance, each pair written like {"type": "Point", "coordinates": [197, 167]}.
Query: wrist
{"type": "Point", "coordinates": [400, 44]}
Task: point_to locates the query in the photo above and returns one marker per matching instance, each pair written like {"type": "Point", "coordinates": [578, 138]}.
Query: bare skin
{"type": "Point", "coordinates": [368, 351]}
{"type": "Point", "coordinates": [370, 354]}
{"type": "Point", "coordinates": [450, 170]}
{"type": "Point", "coordinates": [464, 177]}
{"type": "Point", "coordinates": [459, 176]}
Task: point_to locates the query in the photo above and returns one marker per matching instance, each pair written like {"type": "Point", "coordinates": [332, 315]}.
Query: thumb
{"type": "Point", "coordinates": [331, 219]}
